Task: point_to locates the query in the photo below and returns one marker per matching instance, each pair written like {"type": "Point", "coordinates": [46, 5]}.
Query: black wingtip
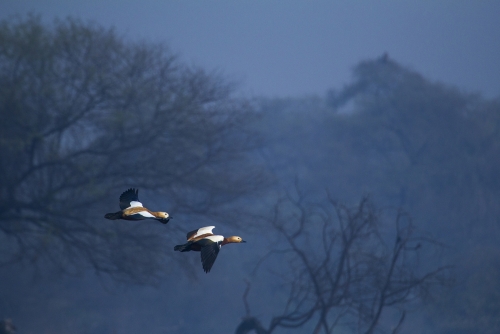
{"type": "Point", "coordinates": [134, 190]}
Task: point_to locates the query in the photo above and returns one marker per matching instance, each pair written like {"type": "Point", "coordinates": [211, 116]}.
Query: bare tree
{"type": "Point", "coordinates": [85, 115]}
{"type": "Point", "coordinates": [345, 267]}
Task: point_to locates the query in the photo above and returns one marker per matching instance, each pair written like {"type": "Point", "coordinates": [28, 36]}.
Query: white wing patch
{"type": "Point", "coordinates": [134, 204]}
{"type": "Point", "coordinates": [146, 214]}
{"type": "Point", "coordinates": [215, 238]}
{"type": "Point", "coordinates": [203, 230]}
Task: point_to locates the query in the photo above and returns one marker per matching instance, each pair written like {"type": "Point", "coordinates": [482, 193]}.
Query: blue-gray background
{"type": "Point", "coordinates": [272, 49]}
{"type": "Point", "coordinates": [284, 48]}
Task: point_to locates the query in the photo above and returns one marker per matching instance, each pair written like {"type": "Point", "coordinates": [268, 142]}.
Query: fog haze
{"type": "Point", "coordinates": [318, 131]}
{"type": "Point", "coordinates": [293, 48]}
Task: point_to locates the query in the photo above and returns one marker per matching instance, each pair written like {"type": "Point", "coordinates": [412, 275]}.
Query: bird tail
{"type": "Point", "coordinates": [113, 216]}
{"type": "Point", "coordinates": [182, 248]}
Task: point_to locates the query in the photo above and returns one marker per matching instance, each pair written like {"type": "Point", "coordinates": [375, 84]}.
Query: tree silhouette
{"type": "Point", "coordinates": [87, 114]}
{"type": "Point", "coordinates": [346, 268]}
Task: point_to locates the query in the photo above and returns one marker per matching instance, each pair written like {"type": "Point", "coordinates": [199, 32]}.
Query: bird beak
{"type": "Point", "coordinates": [243, 241]}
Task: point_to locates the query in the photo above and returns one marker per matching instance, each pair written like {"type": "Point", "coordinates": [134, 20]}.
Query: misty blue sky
{"type": "Point", "coordinates": [295, 48]}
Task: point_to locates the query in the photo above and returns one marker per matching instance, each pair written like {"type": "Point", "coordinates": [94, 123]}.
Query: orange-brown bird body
{"type": "Point", "coordinates": [204, 241]}
{"type": "Point", "coordinates": [132, 209]}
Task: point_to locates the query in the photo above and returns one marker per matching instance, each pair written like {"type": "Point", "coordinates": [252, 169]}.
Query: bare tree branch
{"type": "Point", "coordinates": [348, 274]}
{"type": "Point", "coordinates": [90, 115]}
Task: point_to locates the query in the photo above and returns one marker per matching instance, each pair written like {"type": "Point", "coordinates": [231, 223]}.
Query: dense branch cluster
{"type": "Point", "coordinates": [85, 115]}
{"type": "Point", "coordinates": [344, 270]}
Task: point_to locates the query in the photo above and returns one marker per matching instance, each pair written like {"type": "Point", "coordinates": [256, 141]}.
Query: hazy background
{"type": "Point", "coordinates": [293, 48]}
{"type": "Point", "coordinates": [292, 59]}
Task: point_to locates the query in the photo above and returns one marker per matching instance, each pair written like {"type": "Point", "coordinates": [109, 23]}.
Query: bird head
{"type": "Point", "coordinates": [234, 239]}
{"type": "Point", "coordinates": [163, 215]}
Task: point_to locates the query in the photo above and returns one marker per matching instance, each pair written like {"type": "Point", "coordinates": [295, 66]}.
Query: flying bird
{"type": "Point", "coordinates": [132, 209]}
{"type": "Point", "coordinates": [204, 241]}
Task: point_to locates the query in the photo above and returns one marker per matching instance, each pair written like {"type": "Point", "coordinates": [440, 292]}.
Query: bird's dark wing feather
{"type": "Point", "coordinates": [190, 234]}
{"type": "Point", "coordinates": [209, 252]}
{"type": "Point", "coordinates": [127, 197]}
